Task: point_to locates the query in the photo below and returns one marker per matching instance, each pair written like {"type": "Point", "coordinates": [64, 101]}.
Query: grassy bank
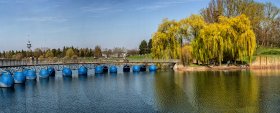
{"type": "Point", "coordinates": [140, 57]}
{"type": "Point", "coordinates": [267, 51]}
{"type": "Point", "coordinates": [264, 58]}
{"type": "Point", "coordinates": [264, 52]}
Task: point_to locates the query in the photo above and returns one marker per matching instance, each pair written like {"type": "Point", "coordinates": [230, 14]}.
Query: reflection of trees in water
{"type": "Point", "coordinates": [226, 91]}
{"type": "Point", "coordinates": [169, 96]}
{"type": "Point", "coordinates": [270, 90]}
{"type": "Point", "coordinates": [266, 72]}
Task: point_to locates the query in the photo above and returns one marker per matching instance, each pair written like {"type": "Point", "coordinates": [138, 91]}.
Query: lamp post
{"type": "Point", "coordinates": [29, 45]}
{"type": "Point", "coordinates": [29, 51]}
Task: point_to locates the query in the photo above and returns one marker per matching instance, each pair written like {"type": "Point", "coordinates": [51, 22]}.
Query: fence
{"type": "Point", "coordinates": [13, 62]}
{"type": "Point", "coordinates": [266, 61]}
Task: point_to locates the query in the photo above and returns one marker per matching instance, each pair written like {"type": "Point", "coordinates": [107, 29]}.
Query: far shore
{"type": "Point", "coordinates": [223, 67]}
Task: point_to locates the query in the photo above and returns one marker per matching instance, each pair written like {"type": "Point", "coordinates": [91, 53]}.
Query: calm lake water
{"type": "Point", "coordinates": [215, 91]}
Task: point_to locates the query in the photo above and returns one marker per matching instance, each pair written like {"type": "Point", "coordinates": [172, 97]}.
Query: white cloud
{"type": "Point", "coordinates": [151, 7]}
{"type": "Point", "coordinates": [43, 19]}
{"type": "Point", "coordinates": [94, 9]}
{"type": "Point", "coordinates": [164, 4]}
{"type": "Point", "coordinates": [100, 10]}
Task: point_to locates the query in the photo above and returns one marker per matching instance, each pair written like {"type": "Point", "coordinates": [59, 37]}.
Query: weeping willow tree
{"type": "Point", "coordinates": [228, 39]}
{"type": "Point", "coordinates": [213, 43]}
{"type": "Point", "coordinates": [242, 37]}
{"type": "Point", "coordinates": [165, 41]}
{"type": "Point", "coordinates": [186, 53]}
{"type": "Point", "coordinates": [231, 38]}
{"type": "Point", "coordinates": [194, 24]}
{"type": "Point", "coordinates": [168, 40]}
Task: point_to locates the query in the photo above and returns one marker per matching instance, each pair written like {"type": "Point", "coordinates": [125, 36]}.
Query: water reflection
{"type": "Point", "coordinates": [170, 97]}
{"type": "Point", "coordinates": [212, 91]}
{"type": "Point", "coordinates": [67, 80]}
{"type": "Point", "coordinates": [30, 88]}
{"type": "Point", "coordinates": [113, 75]}
{"type": "Point", "coordinates": [51, 79]}
{"type": "Point", "coordinates": [83, 78]}
{"type": "Point", "coordinates": [99, 75]}
{"type": "Point", "coordinates": [7, 92]}
{"type": "Point", "coordinates": [136, 73]}
{"type": "Point", "coordinates": [226, 91]}
{"type": "Point", "coordinates": [152, 73]}
{"type": "Point", "coordinates": [266, 72]}
{"type": "Point", "coordinates": [30, 85]}
{"type": "Point", "coordinates": [44, 81]}
{"type": "Point", "coordinates": [215, 91]}
{"type": "Point", "coordinates": [19, 87]}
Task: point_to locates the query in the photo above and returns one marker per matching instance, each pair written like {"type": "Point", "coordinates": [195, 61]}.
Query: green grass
{"type": "Point", "coordinates": [264, 51]}
{"type": "Point", "coordinates": [247, 61]}
{"type": "Point", "coordinates": [140, 57]}
{"type": "Point", "coordinates": [267, 51]}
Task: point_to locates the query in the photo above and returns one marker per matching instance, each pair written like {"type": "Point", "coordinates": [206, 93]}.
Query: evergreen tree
{"type": "Point", "coordinates": [59, 53]}
{"type": "Point", "coordinates": [150, 45]}
{"type": "Point", "coordinates": [143, 47]}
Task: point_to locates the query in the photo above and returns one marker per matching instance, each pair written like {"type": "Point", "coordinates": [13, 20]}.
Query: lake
{"type": "Point", "coordinates": [164, 91]}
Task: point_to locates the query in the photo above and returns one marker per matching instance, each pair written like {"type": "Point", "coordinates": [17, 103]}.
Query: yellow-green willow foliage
{"type": "Point", "coordinates": [210, 43]}
{"type": "Point", "coordinates": [165, 41]}
{"type": "Point", "coordinates": [228, 39]}
{"type": "Point", "coordinates": [231, 37]}
{"type": "Point", "coordinates": [195, 23]}
{"type": "Point", "coordinates": [168, 40]}
{"type": "Point", "coordinates": [186, 57]}
{"type": "Point", "coordinates": [242, 36]}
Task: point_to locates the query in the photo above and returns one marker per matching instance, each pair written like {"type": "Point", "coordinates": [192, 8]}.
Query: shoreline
{"type": "Point", "coordinates": [223, 67]}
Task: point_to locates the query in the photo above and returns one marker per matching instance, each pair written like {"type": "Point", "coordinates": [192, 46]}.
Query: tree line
{"type": "Point", "coordinates": [74, 52]}
{"type": "Point", "coordinates": [264, 17]}
{"type": "Point", "coordinates": [227, 30]}
{"type": "Point", "coordinates": [68, 53]}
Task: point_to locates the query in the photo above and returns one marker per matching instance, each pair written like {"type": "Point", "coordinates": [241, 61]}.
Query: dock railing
{"type": "Point", "coordinates": [15, 62]}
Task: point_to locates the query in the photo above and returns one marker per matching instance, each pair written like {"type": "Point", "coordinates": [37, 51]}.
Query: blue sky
{"type": "Point", "coordinates": [86, 23]}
